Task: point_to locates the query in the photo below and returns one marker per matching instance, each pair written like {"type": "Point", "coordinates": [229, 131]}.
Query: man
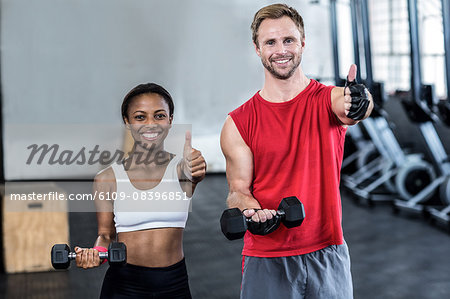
{"type": "Point", "coordinates": [287, 140]}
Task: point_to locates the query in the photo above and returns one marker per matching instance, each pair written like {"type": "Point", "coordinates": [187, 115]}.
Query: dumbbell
{"type": "Point", "coordinates": [61, 255]}
{"type": "Point", "coordinates": [234, 224]}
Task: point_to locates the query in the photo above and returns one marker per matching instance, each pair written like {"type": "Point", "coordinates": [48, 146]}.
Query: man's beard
{"type": "Point", "coordinates": [281, 76]}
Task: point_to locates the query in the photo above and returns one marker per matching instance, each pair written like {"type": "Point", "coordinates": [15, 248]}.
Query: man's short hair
{"type": "Point", "coordinates": [276, 11]}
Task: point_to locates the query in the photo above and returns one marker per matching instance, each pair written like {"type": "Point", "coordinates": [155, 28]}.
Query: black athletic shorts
{"type": "Point", "coordinates": [131, 281]}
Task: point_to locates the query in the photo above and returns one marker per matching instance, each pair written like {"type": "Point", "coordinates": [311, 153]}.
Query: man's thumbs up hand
{"type": "Point", "coordinates": [356, 96]}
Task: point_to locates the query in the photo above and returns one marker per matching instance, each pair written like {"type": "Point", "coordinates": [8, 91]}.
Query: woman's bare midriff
{"type": "Point", "coordinates": [159, 247]}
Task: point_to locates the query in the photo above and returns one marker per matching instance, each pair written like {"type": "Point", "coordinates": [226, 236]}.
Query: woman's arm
{"type": "Point", "coordinates": [104, 186]}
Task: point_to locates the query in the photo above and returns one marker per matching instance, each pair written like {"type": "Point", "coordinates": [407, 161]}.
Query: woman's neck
{"type": "Point", "coordinates": [143, 156]}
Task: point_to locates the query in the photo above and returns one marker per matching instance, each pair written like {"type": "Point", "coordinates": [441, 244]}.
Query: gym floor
{"type": "Point", "coordinates": [393, 256]}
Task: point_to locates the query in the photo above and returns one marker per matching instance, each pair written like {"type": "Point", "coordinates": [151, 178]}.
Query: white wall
{"type": "Point", "coordinates": [71, 62]}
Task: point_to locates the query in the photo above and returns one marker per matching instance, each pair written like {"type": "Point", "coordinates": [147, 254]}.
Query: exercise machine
{"type": "Point", "coordinates": [443, 215]}
{"type": "Point", "coordinates": [365, 150]}
{"type": "Point", "coordinates": [420, 111]}
{"type": "Point", "coordinates": [400, 173]}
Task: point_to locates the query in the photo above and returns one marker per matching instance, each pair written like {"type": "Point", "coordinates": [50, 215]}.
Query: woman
{"type": "Point", "coordinates": [155, 260]}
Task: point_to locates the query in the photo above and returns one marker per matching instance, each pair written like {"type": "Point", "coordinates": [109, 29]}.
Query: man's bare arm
{"type": "Point", "coordinates": [239, 164]}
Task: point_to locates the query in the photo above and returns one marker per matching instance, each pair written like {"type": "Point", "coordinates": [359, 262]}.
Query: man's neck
{"type": "Point", "coordinates": [279, 90]}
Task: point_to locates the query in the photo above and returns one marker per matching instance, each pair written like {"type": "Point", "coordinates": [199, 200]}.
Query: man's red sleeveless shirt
{"type": "Point", "coordinates": [297, 149]}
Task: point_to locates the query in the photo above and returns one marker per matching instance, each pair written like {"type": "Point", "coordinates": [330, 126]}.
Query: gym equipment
{"type": "Point", "coordinates": [23, 248]}
{"type": "Point", "coordinates": [443, 215]}
{"type": "Point", "coordinates": [61, 255]}
{"type": "Point", "coordinates": [404, 174]}
{"type": "Point", "coordinates": [234, 224]}
{"type": "Point", "coordinates": [365, 150]}
{"type": "Point", "coordinates": [365, 153]}
{"type": "Point", "coordinates": [420, 112]}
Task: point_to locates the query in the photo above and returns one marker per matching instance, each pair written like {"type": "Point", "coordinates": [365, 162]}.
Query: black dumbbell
{"type": "Point", "coordinates": [234, 224]}
{"type": "Point", "coordinates": [61, 255]}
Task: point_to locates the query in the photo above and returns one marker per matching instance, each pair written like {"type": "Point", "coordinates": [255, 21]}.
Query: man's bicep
{"type": "Point", "coordinates": [238, 156]}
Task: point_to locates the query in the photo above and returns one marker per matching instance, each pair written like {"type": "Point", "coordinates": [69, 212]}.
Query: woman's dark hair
{"type": "Point", "coordinates": [145, 89]}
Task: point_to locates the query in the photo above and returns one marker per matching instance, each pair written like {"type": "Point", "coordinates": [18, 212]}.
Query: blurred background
{"type": "Point", "coordinates": [66, 66]}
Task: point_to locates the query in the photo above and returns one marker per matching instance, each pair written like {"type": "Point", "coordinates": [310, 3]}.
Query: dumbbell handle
{"type": "Point", "coordinates": [279, 214]}
{"type": "Point", "coordinates": [102, 255]}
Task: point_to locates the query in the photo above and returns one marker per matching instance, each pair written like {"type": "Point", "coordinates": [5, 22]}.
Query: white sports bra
{"type": "Point", "coordinates": [165, 205]}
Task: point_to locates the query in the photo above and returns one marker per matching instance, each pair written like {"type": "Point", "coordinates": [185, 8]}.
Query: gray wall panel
{"type": "Point", "coordinates": [71, 62]}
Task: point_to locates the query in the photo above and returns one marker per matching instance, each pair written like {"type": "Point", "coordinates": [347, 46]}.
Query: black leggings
{"type": "Point", "coordinates": [132, 281]}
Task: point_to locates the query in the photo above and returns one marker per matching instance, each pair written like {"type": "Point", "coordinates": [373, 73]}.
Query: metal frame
{"type": "Point", "coordinates": [334, 40]}
{"type": "Point", "coordinates": [443, 215]}
{"type": "Point", "coordinates": [446, 27]}
{"type": "Point", "coordinates": [367, 46]}
{"type": "Point", "coordinates": [416, 74]}
{"type": "Point", "coordinates": [354, 13]}
{"type": "Point", "coordinates": [378, 172]}
{"type": "Point", "coordinates": [434, 144]}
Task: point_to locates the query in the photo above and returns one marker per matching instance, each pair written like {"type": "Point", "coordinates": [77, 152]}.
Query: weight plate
{"type": "Point", "coordinates": [390, 184]}
{"type": "Point", "coordinates": [413, 177]}
{"type": "Point", "coordinates": [367, 155]}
